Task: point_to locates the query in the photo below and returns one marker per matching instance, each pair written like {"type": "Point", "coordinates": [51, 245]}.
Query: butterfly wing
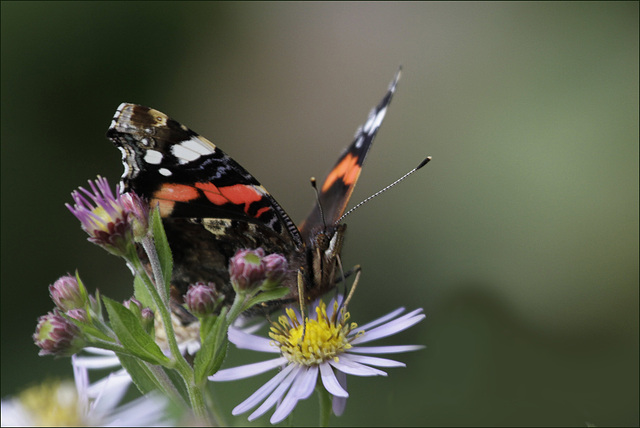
{"type": "Point", "coordinates": [210, 205]}
{"type": "Point", "coordinates": [339, 184]}
{"type": "Point", "coordinates": [187, 176]}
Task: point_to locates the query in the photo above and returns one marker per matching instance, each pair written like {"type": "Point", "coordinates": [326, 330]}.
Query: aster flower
{"type": "Point", "coordinates": [110, 221]}
{"type": "Point", "coordinates": [83, 404]}
{"type": "Point", "coordinates": [326, 344]}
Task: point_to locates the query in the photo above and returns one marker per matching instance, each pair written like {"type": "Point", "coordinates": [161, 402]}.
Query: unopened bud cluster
{"type": "Point", "coordinates": [249, 269]}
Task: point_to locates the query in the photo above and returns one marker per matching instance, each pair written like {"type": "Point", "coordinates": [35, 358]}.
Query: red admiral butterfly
{"type": "Point", "coordinates": [211, 206]}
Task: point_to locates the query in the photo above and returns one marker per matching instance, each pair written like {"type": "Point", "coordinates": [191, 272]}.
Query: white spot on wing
{"type": "Point", "coordinates": [199, 146]}
{"type": "Point", "coordinates": [378, 118]}
{"type": "Point", "coordinates": [192, 149]}
{"type": "Point", "coordinates": [165, 172]}
{"type": "Point", "coordinates": [153, 157]}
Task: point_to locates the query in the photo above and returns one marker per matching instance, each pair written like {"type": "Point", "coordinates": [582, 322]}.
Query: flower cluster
{"type": "Point", "coordinates": [151, 335]}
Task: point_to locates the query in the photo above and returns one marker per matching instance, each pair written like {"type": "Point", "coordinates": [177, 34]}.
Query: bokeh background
{"type": "Point", "coordinates": [519, 239]}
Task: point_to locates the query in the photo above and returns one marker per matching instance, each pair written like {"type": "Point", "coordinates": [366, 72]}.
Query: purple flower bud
{"type": "Point", "coordinates": [66, 293]}
{"type": "Point", "coordinates": [275, 267]}
{"type": "Point", "coordinates": [57, 336]}
{"type": "Point", "coordinates": [79, 314]}
{"type": "Point", "coordinates": [133, 301]}
{"type": "Point", "coordinates": [201, 299]}
{"type": "Point", "coordinates": [246, 269]}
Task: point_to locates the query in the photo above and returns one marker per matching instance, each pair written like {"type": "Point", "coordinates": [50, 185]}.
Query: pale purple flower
{"type": "Point", "coordinates": [111, 221]}
{"type": "Point", "coordinates": [329, 348]}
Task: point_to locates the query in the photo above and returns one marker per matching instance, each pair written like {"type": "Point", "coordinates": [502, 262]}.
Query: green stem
{"type": "Point", "coordinates": [325, 405]}
{"type": "Point", "coordinates": [183, 368]}
{"type": "Point", "coordinates": [236, 307]}
{"type": "Point", "coordinates": [150, 249]}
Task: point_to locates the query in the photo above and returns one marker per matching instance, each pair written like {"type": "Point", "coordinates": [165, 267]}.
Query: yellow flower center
{"type": "Point", "coordinates": [315, 340]}
{"type": "Point", "coordinates": [52, 404]}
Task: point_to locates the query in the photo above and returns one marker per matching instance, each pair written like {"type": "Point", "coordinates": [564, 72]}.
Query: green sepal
{"type": "Point", "coordinates": [132, 335]}
{"type": "Point", "coordinates": [90, 332]}
{"type": "Point", "coordinates": [266, 296]}
{"type": "Point", "coordinates": [162, 247]}
{"type": "Point", "coordinates": [83, 289]}
{"type": "Point", "coordinates": [213, 346]}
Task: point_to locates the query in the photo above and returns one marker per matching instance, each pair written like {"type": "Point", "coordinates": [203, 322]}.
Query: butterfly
{"type": "Point", "coordinates": [211, 206]}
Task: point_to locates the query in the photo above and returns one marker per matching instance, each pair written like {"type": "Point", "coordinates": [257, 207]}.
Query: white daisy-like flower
{"type": "Point", "coordinates": [324, 343]}
{"type": "Point", "coordinates": [85, 404]}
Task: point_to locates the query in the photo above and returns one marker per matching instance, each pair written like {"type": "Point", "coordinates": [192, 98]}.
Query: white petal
{"type": "Point", "coordinates": [344, 364]}
{"type": "Point", "coordinates": [330, 382]}
{"type": "Point", "coordinates": [248, 370]}
{"type": "Point", "coordinates": [390, 328]}
{"type": "Point", "coordinates": [278, 393]}
{"type": "Point", "coordinates": [15, 415]}
{"type": "Point", "coordinates": [384, 349]}
{"type": "Point", "coordinates": [375, 361]}
{"type": "Point", "coordinates": [340, 403]}
{"type": "Point", "coordinates": [108, 392]}
{"type": "Point", "coordinates": [300, 390]}
{"type": "Point", "coordinates": [97, 362]}
{"type": "Point", "coordinates": [262, 392]}
{"type": "Point", "coordinates": [381, 320]}
{"type": "Point", "coordinates": [243, 340]}
{"type": "Point", "coordinates": [144, 411]}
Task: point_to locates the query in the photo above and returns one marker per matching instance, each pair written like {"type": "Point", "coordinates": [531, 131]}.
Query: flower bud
{"type": "Point", "coordinates": [246, 269]}
{"type": "Point", "coordinates": [79, 314]}
{"type": "Point", "coordinates": [275, 267]}
{"type": "Point", "coordinates": [57, 336]}
{"type": "Point", "coordinates": [201, 299]}
{"type": "Point", "coordinates": [148, 320]}
{"type": "Point", "coordinates": [66, 293]}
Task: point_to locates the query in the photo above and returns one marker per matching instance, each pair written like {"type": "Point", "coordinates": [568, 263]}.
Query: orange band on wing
{"type": "Point", "coordinates": [176, 192]}
{"type": "Point", "coordinates": [347, 171]}
{"type": "Point", "coordinates": [237, 194]}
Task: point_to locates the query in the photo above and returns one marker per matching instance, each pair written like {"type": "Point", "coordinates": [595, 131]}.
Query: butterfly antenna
{"type": "Point", "coordinates": [423, 163]}
{"type": "Point", "coordinates": [315, 187]}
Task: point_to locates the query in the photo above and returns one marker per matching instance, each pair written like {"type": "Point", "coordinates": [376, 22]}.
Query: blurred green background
{"type": "Point", "coordinates": [520, 238]}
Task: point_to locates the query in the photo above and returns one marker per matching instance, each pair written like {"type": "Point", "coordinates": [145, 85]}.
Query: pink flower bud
{"type": "Point", "coordinates": [66, 294]}
{"type": "Point", "coordinates": [246, 269]}
{"type": "Point", "coordinates": [56, 336]}
{"type": "Point", "coordinates": [201, 299]}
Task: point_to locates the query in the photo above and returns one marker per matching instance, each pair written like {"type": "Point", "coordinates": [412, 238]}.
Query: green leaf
{"type": "Point", "coordinates": [142, 377]}
{"type": "Point", "coordinates": [162, 247]}
{"type": "Point", "coordinates": [213, 346]}
{"type": "Point", "coordinates": [266, 296]}
{"type": "Point", "coordinates": [141, 293]}
{"type": "Point", "coordinates": [131, 334]}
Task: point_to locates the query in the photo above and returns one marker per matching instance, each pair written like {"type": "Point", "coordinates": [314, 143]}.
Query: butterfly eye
{"type": "Point", "coordinates": [322, 241]}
